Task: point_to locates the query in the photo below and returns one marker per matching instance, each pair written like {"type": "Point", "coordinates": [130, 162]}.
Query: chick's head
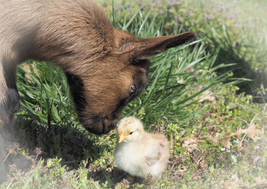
{"type": "Point", "coordinates": [129, 128]}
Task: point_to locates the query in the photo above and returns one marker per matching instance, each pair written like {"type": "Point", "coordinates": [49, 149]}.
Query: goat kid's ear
{"type": "Point", "coordinates": [157, 45]}
{"type": "Point", "coordinates": [143, 48]}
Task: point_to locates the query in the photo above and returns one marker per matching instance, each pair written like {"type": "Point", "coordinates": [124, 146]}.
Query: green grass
{"type": "Point", "coordinates": [192, 90]}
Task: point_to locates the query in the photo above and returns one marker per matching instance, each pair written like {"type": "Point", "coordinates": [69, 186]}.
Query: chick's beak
{"type": "Point", "coordinates": [122, 137]}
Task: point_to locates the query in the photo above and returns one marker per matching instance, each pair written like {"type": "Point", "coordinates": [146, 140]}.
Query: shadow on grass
{"type": "Point", "coordinates": [231, 53]}
{"type": "Point", "coordinates": [114, 177]}
{"type": "Point", "coordinates": [63, 140]}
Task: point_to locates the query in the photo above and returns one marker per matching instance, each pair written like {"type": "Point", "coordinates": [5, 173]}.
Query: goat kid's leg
{"type": "Point", "coordinates": [9, 105]}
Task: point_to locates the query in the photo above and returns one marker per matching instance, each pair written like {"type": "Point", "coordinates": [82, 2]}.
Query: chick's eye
{"type": "Point", "coordinates": [133, 88]}
{"type": "Point", "coordinates": [131, 133]}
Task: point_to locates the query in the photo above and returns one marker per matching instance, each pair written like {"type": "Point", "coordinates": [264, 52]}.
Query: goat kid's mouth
{"type": "Point", "coordinates": [99, 126]}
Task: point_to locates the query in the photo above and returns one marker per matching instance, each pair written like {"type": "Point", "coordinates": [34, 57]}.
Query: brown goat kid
{"type": "Point", "coordinates": [105, 67]}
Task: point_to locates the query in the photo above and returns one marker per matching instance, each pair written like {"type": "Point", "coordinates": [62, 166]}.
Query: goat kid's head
{"type": "Point", "coordinates": [116, 79]}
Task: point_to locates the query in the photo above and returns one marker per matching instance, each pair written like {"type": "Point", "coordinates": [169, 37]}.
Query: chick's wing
{"type": "Point", "coordinates": [154, 150]}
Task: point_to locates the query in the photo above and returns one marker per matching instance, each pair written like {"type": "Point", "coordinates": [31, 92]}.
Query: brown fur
{"type": "Point", "coordinates": [101, 63]}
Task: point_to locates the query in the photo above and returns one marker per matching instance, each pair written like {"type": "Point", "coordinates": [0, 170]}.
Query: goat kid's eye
{"type": "Point", "coordinates": [133, 88]}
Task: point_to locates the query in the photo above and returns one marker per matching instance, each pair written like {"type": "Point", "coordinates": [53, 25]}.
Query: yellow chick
{"type": "Point", "coordinates": [140, 153]}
